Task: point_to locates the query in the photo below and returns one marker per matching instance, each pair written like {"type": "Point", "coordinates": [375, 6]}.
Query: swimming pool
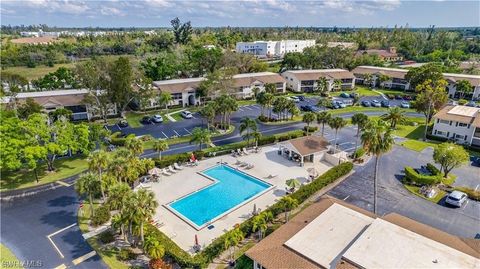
{"type": "Point", "coordinates": [230, 189]}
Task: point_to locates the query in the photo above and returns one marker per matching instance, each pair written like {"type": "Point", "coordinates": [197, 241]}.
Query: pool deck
{"type": "Point", "coordinates": [186, 181]}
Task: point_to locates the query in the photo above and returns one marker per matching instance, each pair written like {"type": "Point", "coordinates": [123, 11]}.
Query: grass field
{"type": "Point", "coordinates": [65, 167]}
{"type": "Point", "coordinates": [7, 259]}
{"type": "Point", "coordinates": [362, 91]}
{"type": "Point", "coordinates": [37, 72]}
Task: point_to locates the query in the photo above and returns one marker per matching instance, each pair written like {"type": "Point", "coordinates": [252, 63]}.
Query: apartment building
{"type": "Point", "coordinates": [389, 55]}
{"type": "Point", "coordinates": [453, 79]}
{"type": "Point", "coordinates": [273, 48]}
{"type": "Point", "coordinates": [458, 123]}
{"type": "Point", "coordinates": [73, 100]}
{"type": "Point", "coordinates": [333, 234]}
{"type": "Point", "coordinates": [183, 91]}
{"type": "Point", "coordinates": [306, 80]}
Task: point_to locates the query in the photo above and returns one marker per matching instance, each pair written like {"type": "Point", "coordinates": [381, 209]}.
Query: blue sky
{"type": "Point", "coordinates": [158, 13]}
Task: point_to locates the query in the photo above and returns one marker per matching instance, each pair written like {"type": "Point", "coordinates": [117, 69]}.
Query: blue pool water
{"type": "Point", "coordinates": [233, 188]}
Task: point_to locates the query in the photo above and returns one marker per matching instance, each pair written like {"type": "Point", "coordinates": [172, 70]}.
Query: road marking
{"type": "Point", "coordinates": [345, 199]}
{"type": "Point", "coordinates": [193, 117]}
{"type": "Point", "coordinates": [331, 140]}
{"type": "Point", "coordinates": [84, 257]}
{"type": "Point", "coordinates": [164, 134]}
{"type": "Point", "coordinates": [239, 109]}
{"type": "Point", "coordinates": [247, 107]}
{"type": "Point", "coordinates": [187, 130]}
{"type": "Point", "coordinates": [49, 237]}
{"type": "Point", "coordinates": [477, 187]}
{"type": "Point", "coordinates": [349, 149]}
{"type": "Point", "coordinates": [176, 133]}
{"type": "Point", "coordinates": [61, 266]}
{"type": "Point", "coordinates": [63, 183]}
{"type": "Point", "coordinates": [465, 205]}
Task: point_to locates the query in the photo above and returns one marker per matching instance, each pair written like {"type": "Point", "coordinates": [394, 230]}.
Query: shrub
{"type": "Point", "coordinates": [116, 140]}
{"type": "Point", "coordinates": [472, 194]}
{"type": "Point", "coordinates": [311, 129]}
{"type": "Point", "coordinates": [462, 102]}
{"type": "Point", "coordinates": [102, 215]}
{"type": "Point", "coordinates": [433, 169]}
{"type": "Point", "coordinates": [415, 178]}
{"type": "Point", "coordinates": [159, 264]}
{"type": "Point", "coordinates": [199, 154]}
{"type": "Point", "coordinates": [106, 237]}
{"type": "Point", "coordinates": [126, 254]}
{"type": "Point", "coordinates": [263, 118]}
{"type": "Point", "coordinates": [358, 153]}
{"type": "Point", "coordinates": [171, 159]}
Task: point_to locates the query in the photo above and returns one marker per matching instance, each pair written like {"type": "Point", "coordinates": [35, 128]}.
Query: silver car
{"type": "Point", "coordinates": [186, 114]}
{"type": "Point", "coordinates": [456, 198]}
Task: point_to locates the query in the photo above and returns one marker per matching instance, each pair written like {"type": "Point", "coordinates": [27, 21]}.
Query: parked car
{"type": "Point", "coordinates": [157, 118]}
{"type": "Point", "coordinates": [122, 124]}
{"type": "Point", "coordinates": [366, 103]}
{"type": "Point", "coordinates": [376, 103]}
{"type": "Point", "coordinates": [301, 97]}
{"type": "Point", "coordinates": [353, 95]}
{"type": "Point", "coordinates": [307, 108]}
{"type": "Point", "coordinates": [186, 114]}
{"type": "Point", "coordinates": [345, 95]}
{"type": "Point", "coordinates": [407, 97]}
{"type": "Point", "coordinates": [146, 120]}
{"type": "Point", "coordinates": [398, 97]}
{"type": "Point", "coordinates": [334, 105]}
{"type": "Point", "coordinates": [295, 99]}
{"type": "Point", "coordinates": [385, 103]}
{"type": "Point", "coordinates": [405, 104]}
{"type": "Point", "coordinates": [391, 96]}
{"type": "Point", "coordinates": [342, 104]}
{"type": "Point", "coordinates": [456, 198]}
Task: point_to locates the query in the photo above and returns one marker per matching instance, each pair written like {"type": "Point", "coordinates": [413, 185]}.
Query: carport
{"type": "Point", "coordinates": [304, 149]}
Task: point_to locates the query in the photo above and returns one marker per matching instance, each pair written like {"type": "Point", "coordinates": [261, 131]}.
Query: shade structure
{"type": "Point", "coordinates": [293, 183]}
{"type": "Point", "coordinates": [155, 171]}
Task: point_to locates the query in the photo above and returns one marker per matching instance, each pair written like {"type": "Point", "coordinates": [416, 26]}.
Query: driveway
{"type": "Point", "coordinates": [393, 197]}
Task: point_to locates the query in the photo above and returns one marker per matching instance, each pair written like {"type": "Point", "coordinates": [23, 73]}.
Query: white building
{"type": "Point", "coordinates": [306, 80]}
{"type": "Point", "coordinates": [453, 79]}
{"type": "Point", "coordinates": [273, 48]}
{"type": "Point", "coordinates": [458, 123]}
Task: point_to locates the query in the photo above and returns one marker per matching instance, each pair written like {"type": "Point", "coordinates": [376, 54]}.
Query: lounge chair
{"type": "Point", "coordinates": [245, 151]}
{"type": "Point", "coordinates": [272, 176]}
{"type": "Point", "coordinates": [170, 169]}
{"type": "Point", "coordinates": [243, 164]}
{"type": "Point", "coordinates": [234, 154]}
{"type": "Point", "coordinates": [238, 162]}
{"type": "Point", "coordinates": [250, 166]}
{"type": "Point", "coordinates": [165, 172]}
{"type": "Point", "coordinates": [176, 166]}
{"type": "Point", "coordinates": [239, 152]}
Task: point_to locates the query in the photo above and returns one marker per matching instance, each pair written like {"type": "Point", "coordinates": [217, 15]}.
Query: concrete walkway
{"type": "Point", "coordinates": [169, 115]}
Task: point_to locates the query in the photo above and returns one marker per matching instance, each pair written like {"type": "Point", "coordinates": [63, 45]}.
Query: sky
{"type": "Point", "coordinates": [251, 13]}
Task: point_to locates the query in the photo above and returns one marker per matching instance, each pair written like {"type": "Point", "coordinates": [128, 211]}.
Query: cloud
{"type": "Point", "coordinates": [111, 11]}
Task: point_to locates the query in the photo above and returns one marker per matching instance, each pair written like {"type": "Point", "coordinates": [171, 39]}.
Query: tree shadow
{"type": "Point", "coordinates": [63, 201]}
{"type": "Point", "coordinates": [59, 219]}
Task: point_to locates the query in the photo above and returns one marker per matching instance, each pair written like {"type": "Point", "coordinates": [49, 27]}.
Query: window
{"type": "Point", "coordinates": [445, 121]}
{"type": "Point", "coordinates": [461, 124]}
{"type": "Point", "coordinates": [441, 133]}
{"type": "Point", "coordinates": [462, 137]}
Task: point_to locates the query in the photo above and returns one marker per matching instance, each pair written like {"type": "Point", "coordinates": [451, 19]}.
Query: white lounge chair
{"type": "Point", "coordinates": [250, 166]}
{"type": "Point", "coordinates": [170, 169]}
{"type": "Point", "coordinates": [238, 162]}
{"type": "Point", "coordinates": [176, 166]}
{"type": "Point", "coordinates": [239, 152]}
{"type": "Point", "coordinates": [245, 151]}
{"type": "Point", "coordinates": [165, 172]}
{"type": "Point", "coordinates": [272, 176]}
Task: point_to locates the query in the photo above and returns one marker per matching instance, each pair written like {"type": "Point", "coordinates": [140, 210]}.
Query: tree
{"type": "Point", "coordinates": [308, 118]}
{"type": "Point", "coordinates": [181, 31]}
{"type": "Point", "coordinates": [232, 239]}
{"type": "Point", "coordinates": [118, 196]}
{"type": "Point", "coordinates": [164, 99]}
{"type": "Point", "coordinates": [377, 139]}
{"type": "Point", "coordinates": [160, 145]}
{"type": "Point", "coordinates": [260, 99]}
{"type": "Point", "coordinates": [98, 161]}
{"type": "Point", "coordinates": [256, 137]}
{"type": "Point", "coordinates": [89, 185]}
{"type": "Point", "coordinates": [145, 204]}
{"type": "Point", "coordinates": [28, 108]}
{"type": "Point", "coordinates": [431, 97]}
{"type": "Point", "coordinates": [323, 118]}
{"type": "Point", "coordinates": [209, 112]}
{"type": "Point", "coordinates": [428, 72]}
{"type": "Point", "coordinates": [153, 248]}
{"type": "Point", "coordinates": [134, 144]}
{"type": "Point", "coordinates": [395, 116]}
{"type": "Point", "coordinates": [336, 124]}
{"type": "Point", "coordinates": [360, 120]}
{"type": "Point", "coordinates": [323, 102]}
{"type": "Point", "coordinates": [249, 126]}
{"type": "Point", "coordinates": [288, 203]}
{"type": "Point", "coordinates": [256, 91]}
{"type": "Point", "coordinates": [337, 84]}
{"type": "Point", "coordinates": [450, 156]}
{"type": "Point", "coordinates": [270, 88]}
{"type": "Point", "coordinates": [62, 78]}
{"type": "Point", "coordinates": [260, 223]}
{"type": "Point", "coordinates": [32, 155]}
{"type": "Point", "coordinates": [383, 78]}
{"type": "Point", "coordinates": [464, 87]}
{"type": "Point", "coordinates": [119, 87]}
{"type": "Point", "coordinates": [322, 86]}
{"type": "Point", "coordinates": [269, 99]}
{"type": "Point", "coordinates": [60, 113]}
{"type": "Point", "coordinates": [368, 79]}
{"type": "Point", "coordinates": [200, 136]}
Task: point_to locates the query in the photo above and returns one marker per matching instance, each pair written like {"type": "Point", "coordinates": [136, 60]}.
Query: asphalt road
{"type": "Point", "coordinates": [26, 223]}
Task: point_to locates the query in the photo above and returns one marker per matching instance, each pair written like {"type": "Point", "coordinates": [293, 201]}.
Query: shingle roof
{"type": "Point", "coordinates": [391, 72]}
{"type": "Point", "coordinates": [307, 145]}
{"type": "Point", "coordinates": [444, 114]}
{"type": "Point", "coordinates": [315, 74]}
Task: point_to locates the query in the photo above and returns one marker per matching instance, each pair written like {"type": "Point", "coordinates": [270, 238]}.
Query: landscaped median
{"type": "Point", "coordinates": [420, 184]}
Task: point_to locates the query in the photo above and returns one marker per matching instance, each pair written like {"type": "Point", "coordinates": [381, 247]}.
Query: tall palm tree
{"type": "Point", "coordinates": [88, 184]}
{"type": "Point", "coordinates": [146, 204]}
{"type": "Point", "coordinates": [323, 118]}
{"type": "Point", "coordinates": [337, 84]}
{"type": "Point", "coordinates": [260, 99]}
{"type": "Point", "coordinates": [368, 79]}
{"type": "Point", "coordinates": [336, 123]}
{"type": "Point", "coordinates": [160, 145]}
{"type": "Point", "coordinates": [201, 136]}
{"type": "Point", "coordinates": [118, 197]}
{"type": "Point", "coordinates": [308, 118]}
{"type": "Point", "coordinates": [323, 102]}
{"type": "Point", "coordinates": [260, 223]}
{"type": "Point", "coordinates": [209, 113]}
{"type": "Point", "coordinates": [292, 109]}
{"type": "Point", "coordinates": [153, 248]}
{"type": "Point", "coordinates": [269, 99]}
{"type": "Point", "coordinates": [256, 137]}
{"type": "Point", "coordinates": [98, 161]}
{"type": "Point", "coordinates": [134, 145]}
{"type": "Point", "coordinates": [249, 126]}
{"type": "Point", "coordinates": [377, 139]}
{"type": "Point", "coordinates": [288, 203]}
{"type": "Point", "coordinates": [360, 120]}
{"type": "Point", "coordinates": [119, 221]}
{"type": "Point", "coordinates": [164, 99]}
{"type": "Point", "coordinates": [232, 239]}
{"type": "Point", "coordinates": [395, 116]}
{"type": "Point", "coordinates": [322, 86]}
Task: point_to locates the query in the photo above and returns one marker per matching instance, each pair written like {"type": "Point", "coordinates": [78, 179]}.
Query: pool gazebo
{"type": "Point", "coordinates": [304, 149]}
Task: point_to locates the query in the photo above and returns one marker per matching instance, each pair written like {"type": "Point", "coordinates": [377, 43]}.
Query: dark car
{"type": "Point", "coordinates": [353, 95]}
{"type": "Point", "coordinates": [122, 124]}
{"type": "Point", "coordinates": [385, 103]}
{"type": "Point", "coordinates": [345, 95]}
{"type": "Point", "coordinates": [146, 120]}
{"type": "Point", "coordinates": [366, 103]}
{"type": "Point", "coordinates": [307, 108]}
{"type": "Point", "coordinates": [334, 105]}
{"type": "Point", "coordinates": [301, 97]}
{"type": "Point", "coordinates": [398, 97]}
{"type": "Point", "coordinates": [407, 97]}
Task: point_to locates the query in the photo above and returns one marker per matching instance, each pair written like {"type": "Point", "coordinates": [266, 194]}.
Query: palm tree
{"type": "Point", "coordinates": [292, 109]}
{"type": "Point", "coordinates": [323, 118]}
{"type": "Point", "coordinates": [336, 123]}
{"type": "Point", "coordinates": [395, 116]}
{"type": "Point", "coordinates": [164, 99]}
{"type": "Point", "coordinates": [260, 223]}
{"type": "Point", "coordinates": [337, 84]}
{"type": "Point", "coordinates": [145, 204]}
{"type": "Point", "coordinates": [232, 239]}
{"type": "Point", "coordinates": [368, 79]}
{"type": "Point", "coordinates": [270, 88]}
{"type": "Point", "coordinates": [377, 140]}
{"type": "Point", "coordinates": [464, 87]}
{"type": "Point", "coordinates": [249, 126]}
{"type": "Point", "coordinates": [323, 102]}
{"type": "Point", "coordinates": [98, 161]}
{"type": "Point", "coordinates": [88, 184]}
{"type": "Point", "coordinates": [118, 195]}
{"type": "Point", "coordinates": [209, 113]}
{"type": "Point", "coordinates": [200, 136]}
{"type": "Point", "coordinates": [260, 99]}
{"type": "Point", "coordinates": [308, 118]}
{"type": "Point", "coordinates": [322, 86]}
{"type": "Point", "coordinates": [160, 145]}
{"type": "Point", "coordinates": [118, 223]}
{"type": "Point", "coordinates": [360, 120]}
{"type": "Point", "coordinates": [269, 99]}
{"type": "Point", "coordinates": [134, 145]}
{"type": "Point", "coordinates": [256, 137]}
{"type": "Point", "coordinates": [255, 91]}
{"type": "Point", "coordinates": [382, 78]}
{"type": "Point", "coordinates": [153, 248]}
{"type": "Point", "coordinates": [288, 203]}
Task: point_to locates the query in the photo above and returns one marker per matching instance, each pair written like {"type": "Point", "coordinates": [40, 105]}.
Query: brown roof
{"type": "Point", "coordinates": [35, 40]}
{"type": "Point", "coordinates": [444, 115]}
{"type": "Point", "coordinates": [247, 81]}
{"type": "Point", "coordinates": [307, 145]}
{"type": "Point", "coordinates": [473, 79]}
{"type": "Point", "coordinates": [391, 72]}
{"type": "Point", "coordinates": [323, 73]}
{"type": "Point", "coordinates": [381, 53]}
{"type": "Point", "coordinates": [178, 87]}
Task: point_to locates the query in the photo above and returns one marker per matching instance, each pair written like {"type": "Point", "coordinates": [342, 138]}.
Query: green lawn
{"type": "Point", "coordinates": [7, 258]}
{"type": "Point", "coordinates": [362, 91]}
{"type": "Point", "coordinates": [418, 145]}
{"type": "Point", "coordinates": [349, 109]}
{"type": "Point", "coordinates": [395, 92]}
{"type": "Point", "coordinates": [37, 72]}
{"type": "Point", "coordinates": [65, 167]}
{"type": "Point", "coordinates": [415, 190]}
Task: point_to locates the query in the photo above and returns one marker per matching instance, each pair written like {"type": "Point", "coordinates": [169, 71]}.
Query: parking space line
{"type": "Point", "coordinates": [49, 237]}
{"type": "Point", "coordinates": [84, 257]}
{"type": "Point", "coordinates": [61, 266]}
{"type": "Point", "coordinates": [465, 205]}
{"type": "Point", "coordinates": [477, 187]}
{"type": "Point", "coordinates": [345, 199]}
{"type": "Point", "coordinates": [344, 143]}
{"type": "Point", "coordinates": [176, 133]}
{"type": "Point", "coordinates": [187, 130]}
{"type": "Point", "coordinates": [164, 134]}
{"type": "Point", "coordinates": [239, 109]}
{"type": "Point", "coordinates": [63, 183]}
{"type": "Point", "coordinates": [193, 117]}
{"type": "Point", "coordinates": [247, 107]}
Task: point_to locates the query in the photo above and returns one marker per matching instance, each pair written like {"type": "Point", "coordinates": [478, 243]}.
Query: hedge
{"type": "Point", "coordinates": [311, 129]}
{"type": "Point", "coordinates": [415, 178]}
{"type": "Point", "coordinates": [119, 141]}
{"type": "Point", "coordinates": [433, 169]}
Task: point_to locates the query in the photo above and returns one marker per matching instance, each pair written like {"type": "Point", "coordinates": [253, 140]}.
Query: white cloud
{"type": "Point", "coordinates": [111, 11]}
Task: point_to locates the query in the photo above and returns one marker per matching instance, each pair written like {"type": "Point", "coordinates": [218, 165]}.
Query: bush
{"type": "Point", "coordinates": [126, 254]}
{"type": "Point", "coordinates": [358, 153]}
{"type": "Point", "coordinates": [412, 177]}
{"type": "Point", "coordinates": [102, 215]}
{"type": "Point", "coordinates": [158, 264]}
{"type": "Point", "coordinates": [310, 129]}
{"type": "Point", "coordinates": [263, 118]}
{"type": "Point", "coordinates": [106, 237]}
{"type": "Point", "coordinates": [462, 102]}
{"type": "Point", "coordinates": [171, 159]}
{"type": "Point", "coordinates": [433, 169]}
{"type": "Point", "coordinates": [472, 194]}
{"type": "Point", "coordinates": [116, 140]}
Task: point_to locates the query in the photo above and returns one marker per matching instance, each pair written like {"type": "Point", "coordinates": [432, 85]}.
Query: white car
{"type": "Point", "coordinates": [404, 104]}
{"type": "Point", "coordinates": [456, 198]}
{"type": "Point", "coordinates": [186, 114]}
{"type": "Point", "coordinates": [295, 99]}
{"type": "Point", "coordinates": [376, 103]}
{"type": "Point", "coordinates": [157, 118]}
